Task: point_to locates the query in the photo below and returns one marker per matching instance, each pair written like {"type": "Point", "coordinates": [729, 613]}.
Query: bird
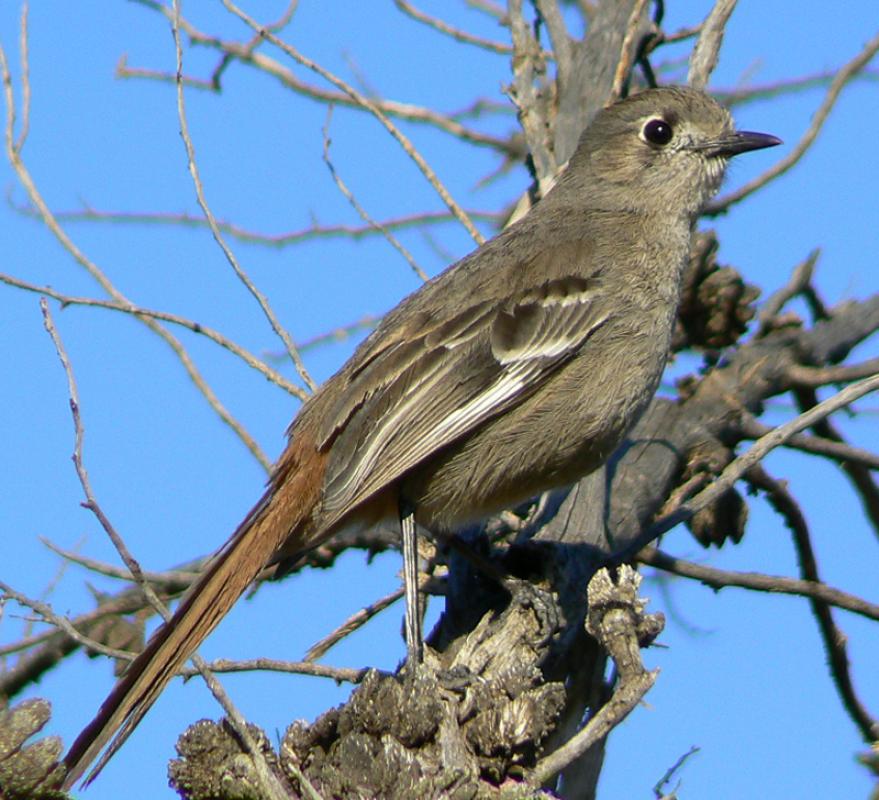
{"type": "Point", "coordinates": [516, 370]}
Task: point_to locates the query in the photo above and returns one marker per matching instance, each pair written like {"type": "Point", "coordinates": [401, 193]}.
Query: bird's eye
{"type": "Point", "coordinates": [657, 131]}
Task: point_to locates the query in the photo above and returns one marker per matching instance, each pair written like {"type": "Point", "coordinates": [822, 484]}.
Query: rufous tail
{"type": "Point", "coordinates": [271, 523]}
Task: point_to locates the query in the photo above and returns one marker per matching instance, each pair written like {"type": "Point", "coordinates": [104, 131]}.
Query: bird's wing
{"type": "Point", "coordinates": [422, 393]}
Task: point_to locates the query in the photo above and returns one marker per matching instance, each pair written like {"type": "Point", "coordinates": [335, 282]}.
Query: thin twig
{"type": "Point", "coordinates": [849, 71]}
{"type": "Point", "coordinates": [766, 91]}
{"type": "Point", "coordinates": [740, 465]}
{"type": "Point", "coordinates": [861, 478]}
{"type": "Point", "coordinates": [627, 51]}
{"type": "Point", "coordinates": [355, 204]}
{"type": "Point", "coordinates": [24, 176]}
{"type": "Point", "coordinates": [245, 279]}
{"type": "Point", "coordinates": [171, 577]}
{"type": "Point", "coordinates": [456, 33]}
{"type": "Point", "coordinates": [355, 621]}
{"type": "Point", "coordinates": [800, 278]}
{"type": "Point", "coordinates": [834, 639]}
{"type": "Point", "coordinates": [681, 34]}
{"type": "Point", "coordinates": [815, 377]}
{"type": "Point", "coordinates": [368, 104]}
{"type": "Point", "coordinates": [338, 674]}
{"type": "Point", "coordinates": [704, 57]}
{"type": "Point", "coordinates": [314, 231]}
{"type": "Point", "coordinates": [91, 502]}
{"type": "Point", "coordinates": [751, 428]}
{"type": "Point", "coordinates": [62, 623]}
{"type": "Point", "coordinates": [530, 94]}
{"type": "Point", "coordinates": [196, 327]}
{"type": "Point", "coordinates": [24, 59]}
{"type": "Point", "coordinates": [757, 581]}
{"type": "Point", "coordinates": [268, 781]}
{"type": "Point", "coordinates": [658, 790]}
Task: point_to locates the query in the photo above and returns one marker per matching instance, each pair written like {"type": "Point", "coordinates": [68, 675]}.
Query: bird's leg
{"type": "Point", "coordinates": [414, 636]}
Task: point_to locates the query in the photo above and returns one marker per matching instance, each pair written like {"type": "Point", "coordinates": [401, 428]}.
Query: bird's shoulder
{"type": "Point", "coordinates": [489, 304]}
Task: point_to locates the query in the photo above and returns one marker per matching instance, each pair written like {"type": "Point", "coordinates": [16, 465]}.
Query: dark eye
{"type": "Point", "coordinates": [658, 131]}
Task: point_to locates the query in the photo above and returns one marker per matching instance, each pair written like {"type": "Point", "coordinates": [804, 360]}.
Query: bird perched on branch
{"type": "Point", "coordinates": [517, 370]}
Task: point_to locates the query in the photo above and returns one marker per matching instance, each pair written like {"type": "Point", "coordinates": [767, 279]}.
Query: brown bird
{"type": "Point", "coordinates": [517, 370]}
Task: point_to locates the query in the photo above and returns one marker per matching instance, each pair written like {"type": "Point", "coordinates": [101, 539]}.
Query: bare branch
{"type": "Point", "coordinates": [456, 33]}
{"type": "Point", "coordinates": [842, 78]}
{"type": "Point", "coordinates": [368, 104]}
{"type": "Point", "coordinates": [349, 196]}
{"type": "Point", "coordinates": [627, 51]}
{"type": "Point", "coordinates": [814, 377]}
{"type": "Point", "coordinates": [314, 231]}
{"type": "Point", "coordinates": [196, 327]}
{"type": "Point", "coordinates": [834, 639]}
{"type": "Point", "coordinates": [62, 623]}
{"type": "Point", "coordinates": [703, 59]}
{"type": "Point", "coordinates": [354, 622]}
{"type": "Point", "coordinates": [617, 620]}
{"type": "Point", "coordinates": [245, 279]}
{"type": "Point", "coordinates": [529, 69]}
{"type": "Point", "coordinates": [773, 584]}
{"type": "Point", "coordinates": [339, 674]}
{"type": "Point", "coordinates": [14, 156]}
{"type": "Point", "coordinates": [860, 477]}
{"type": "Point", "coordinates": [817, 445]}
{"type": "Point", "coordinates": [758, 451]}
{"type": "Point", "coordinates": [799, 280]}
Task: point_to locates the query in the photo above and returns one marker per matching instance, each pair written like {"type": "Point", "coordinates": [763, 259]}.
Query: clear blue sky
{"type": "Point", "coordinates": [743, 676]}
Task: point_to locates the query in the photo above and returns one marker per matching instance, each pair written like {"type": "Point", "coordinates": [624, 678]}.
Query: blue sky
{"type": "Point", "coordinates": [743, 676]}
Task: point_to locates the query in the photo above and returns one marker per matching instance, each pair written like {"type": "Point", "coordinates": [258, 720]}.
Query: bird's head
{"type": "Point", "coordinates": [663, 150]}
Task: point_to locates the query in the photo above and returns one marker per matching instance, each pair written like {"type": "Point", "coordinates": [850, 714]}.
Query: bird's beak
{"type": "Point", "coordinates": [738, 142]}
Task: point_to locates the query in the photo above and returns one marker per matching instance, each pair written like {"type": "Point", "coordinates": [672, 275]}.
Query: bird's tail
{"type": "Point", "coordinates": [284, 508]}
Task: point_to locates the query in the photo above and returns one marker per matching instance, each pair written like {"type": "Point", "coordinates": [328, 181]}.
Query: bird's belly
{"type": "Point", "coordinates": [550, 440]}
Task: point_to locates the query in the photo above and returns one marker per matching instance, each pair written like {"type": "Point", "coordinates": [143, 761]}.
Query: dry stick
{"type": "Point", "coordinates": [527, 66]}
{"type": "Point", "coordinates": [670, 772]}
{"type": "Point", "coordinates": [91, 502]}
{"type": "Point", "coordinates": [245, 279]}
{"type": "Point", "coordinates": [614, 616]}
{"type": "Point", "coordinates": [800, 278]}
{"type": "Point", "coordinates": [773, 584]}
{"type": "Point", "coordinates": [833, 637]}
{"type": "Point", "coordinates": [457, 34]}
{"type": "Point", "coordinates": [372, 107]}
{"type": "Point", "coordinates": [62, 623]}
{"type": "Point", "coordinates": [355, 204]}
{"type": "Point", "coordinates": [183, 219]}
{"type": "Point", "coordinates": [137, 311]}
{"type": "Point", "coordinates": [682, 33]}
{"type": "Point", "coordinates": [747, 94]}
{"type": "Point", "coordinates": [752, 428]}
{"type": "Point", "coordinates": [127, 602]}
{"type": "Point", "coordinates": [814, 377]}
{"type": "Point", "coordinates": [338, 674]}
{"type": "Point", "coordinates": [703, 59]}
{"type": "Point", "coordinates": [562, 46]}
{"type": "Point", "coordinates": [13, 152]}
{"type": "Point", "coordinates": [24, 60]}
{"type": "Point", "coordinates": [740, 465]}
{"type": "Point", "coordinates": [849, 71]}
{"type": "Point", "coordinates": [860, 477]}
{"type": "Point", "coordinates": [268, 65]}
{"type": "Point", "coordinates": [444, 122]}
{"type": "Point", "coordinates": [173, 576]}
{"type": "Point", "coordinates": [627, 52]}
{"type": "Point", "coordinates": [269, 782]}
{"type": "Point", "coordinates": [355, 621]}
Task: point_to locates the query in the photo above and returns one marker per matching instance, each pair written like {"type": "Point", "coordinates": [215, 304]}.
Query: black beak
{"type": "Point", "coordinates": [738, 142]}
